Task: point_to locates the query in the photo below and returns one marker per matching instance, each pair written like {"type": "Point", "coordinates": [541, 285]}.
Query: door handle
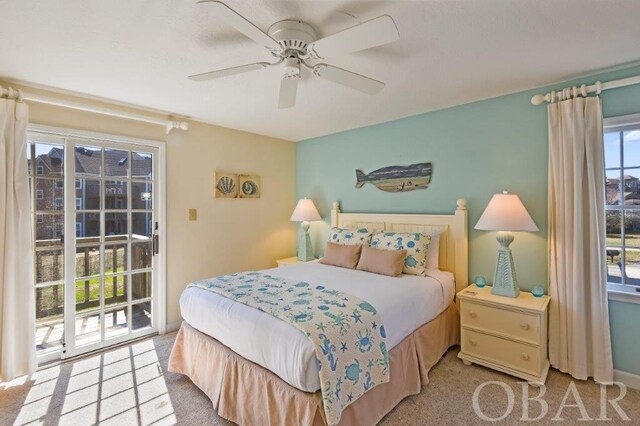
{"type": "Point", "coordinates": [156, 244]}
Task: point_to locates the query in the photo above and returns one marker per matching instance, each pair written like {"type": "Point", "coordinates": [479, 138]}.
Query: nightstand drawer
{"type": "Point", "coordinates": [516, 324]}
{"type": "Point", "coordinates": [514, 355]}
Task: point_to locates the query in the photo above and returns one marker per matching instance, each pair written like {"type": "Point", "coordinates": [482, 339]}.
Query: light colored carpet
{"type": "Point", "coordinates": [126, 386]}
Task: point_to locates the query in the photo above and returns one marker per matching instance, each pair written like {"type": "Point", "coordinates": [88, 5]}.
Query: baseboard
{"type": "Point", "coordinates": [173, 326]}
{"type": "Point", "coordinates": [629, 379]}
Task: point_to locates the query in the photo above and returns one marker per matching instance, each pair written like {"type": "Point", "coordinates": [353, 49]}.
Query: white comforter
{"type": "Point", "coordinates": [404, 304]}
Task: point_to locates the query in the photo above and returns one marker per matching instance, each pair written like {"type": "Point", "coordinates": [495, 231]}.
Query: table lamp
{"type": "Point", "coordinates": [505, 213]}
{"type": "Point", "coordinates": [305, 212]}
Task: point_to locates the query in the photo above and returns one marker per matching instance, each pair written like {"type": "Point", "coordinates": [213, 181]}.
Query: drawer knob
{"type": "Point", "coordinates": [473, 314]}
{"type": "Point", "coordinates": [525, 326]}
{"type": "Point", "coordinates": [473, 342]}
{"type": "Point", "coordinates": [525, 356]}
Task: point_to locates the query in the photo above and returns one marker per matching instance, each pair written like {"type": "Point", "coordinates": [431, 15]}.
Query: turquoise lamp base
{"type": "Point", "coordinates": [305, 250]}
{"type": "Point", "coordinates": [505, 282]}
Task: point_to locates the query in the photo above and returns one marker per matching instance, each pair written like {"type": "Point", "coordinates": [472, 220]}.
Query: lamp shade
{"type": "Point", "coordinates": [305, 211]}
{"type": "Point", "coordinates": [505, 212]}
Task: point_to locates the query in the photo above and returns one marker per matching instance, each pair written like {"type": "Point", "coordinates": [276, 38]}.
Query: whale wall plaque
{"type": "Point", "coordinates": [397, 178]}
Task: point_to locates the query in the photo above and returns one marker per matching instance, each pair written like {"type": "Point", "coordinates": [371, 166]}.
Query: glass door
{"type": "Point", "coordinates": [96, 220]}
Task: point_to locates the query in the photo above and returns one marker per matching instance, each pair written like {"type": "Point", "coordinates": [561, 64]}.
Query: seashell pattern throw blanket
{"type": "Point", "coordinates": [347, 332]}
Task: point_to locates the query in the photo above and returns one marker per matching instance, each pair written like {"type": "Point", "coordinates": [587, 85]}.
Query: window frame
{"type": "Point", "coordinates": [621, 292]}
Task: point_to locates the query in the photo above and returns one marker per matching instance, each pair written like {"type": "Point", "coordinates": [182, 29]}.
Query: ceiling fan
{"type": "Point", "coordinates": [295, 45]}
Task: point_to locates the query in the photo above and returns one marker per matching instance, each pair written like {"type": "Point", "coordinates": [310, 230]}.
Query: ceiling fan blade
{"type": "Point", "coordinates": [348, 78]}
{"type": "Point", "coordinates": [376, 32]}
{"type": "Point", "coordinates": [228, 71]}
{"type": "Point", "coordinates": [241, 24]}
{"type": "Point", "coordinates": [288, 91]}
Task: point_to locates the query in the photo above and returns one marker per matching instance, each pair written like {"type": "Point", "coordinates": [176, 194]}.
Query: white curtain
{"type": "Point", "coordinates": [579, 336]}
{"type": "Point", "coordinates": [17, 293]}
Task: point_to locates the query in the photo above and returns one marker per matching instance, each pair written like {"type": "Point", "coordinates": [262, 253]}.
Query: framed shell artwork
{"type": "Point", "coordinates": [250, 186]}
{"type": "Point", "coordinates": [225, 185]}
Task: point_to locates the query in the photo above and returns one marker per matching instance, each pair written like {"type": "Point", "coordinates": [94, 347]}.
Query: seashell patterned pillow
{"type": "Point", "coordinates": [349, 236]}
{"type": "Point", "coordinates": [416, 245]}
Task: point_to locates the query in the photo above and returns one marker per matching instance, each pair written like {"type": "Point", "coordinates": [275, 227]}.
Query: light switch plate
{"type": "Point", "coordinates": [193, 214]}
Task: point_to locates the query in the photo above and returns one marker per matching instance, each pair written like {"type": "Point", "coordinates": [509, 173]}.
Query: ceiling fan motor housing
{"type": "Point", "coordinates": [293, 35]}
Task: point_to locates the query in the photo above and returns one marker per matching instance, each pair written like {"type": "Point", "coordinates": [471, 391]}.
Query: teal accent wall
{"type": "Point", "coordinates": [477, 150]}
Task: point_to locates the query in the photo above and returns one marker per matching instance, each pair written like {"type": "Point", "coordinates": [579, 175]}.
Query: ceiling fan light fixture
{"type": "Point", "coordinates": [293, 42]}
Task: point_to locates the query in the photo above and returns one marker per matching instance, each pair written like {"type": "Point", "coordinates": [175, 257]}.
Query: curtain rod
{"type": "Point", "coordinates": [583, 90]}
{"type": "Point", "coordinates": [10, 93]}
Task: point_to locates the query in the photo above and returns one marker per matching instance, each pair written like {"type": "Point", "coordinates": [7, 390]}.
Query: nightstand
{"type": "Point", "coordinates": [504, 333]}
{"type": "Point", "coordinates": [288, 261]}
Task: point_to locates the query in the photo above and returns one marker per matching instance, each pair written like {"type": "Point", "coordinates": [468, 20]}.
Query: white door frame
{"type": "Point", "coordinates": [160, 300]}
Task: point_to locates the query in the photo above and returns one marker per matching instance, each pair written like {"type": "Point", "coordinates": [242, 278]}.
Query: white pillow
{"type": "Point", "coordinates": [433, 251]}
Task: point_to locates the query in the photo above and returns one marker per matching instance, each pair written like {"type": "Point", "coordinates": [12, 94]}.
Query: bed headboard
{"type": "Point", "coordinates": [454, 239]}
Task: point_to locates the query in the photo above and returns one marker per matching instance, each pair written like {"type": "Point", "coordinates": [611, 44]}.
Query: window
{"type": "Point", "coordinates": [59, 202]}
{"type": "Point", "coordinates": [78, 229]}
{"type": "Point", "coordinates": [58, 229]}
{"type": "Point", "coordinates": [39, 194]}
{"type": "Point", "coordinates": [78, 203]}
{"type": "Point", "coordinates": [59, 184]}
{"type": "Point", "coordinates": [622, 202]}
{"type": "Point", "coordinates": [39, 170]}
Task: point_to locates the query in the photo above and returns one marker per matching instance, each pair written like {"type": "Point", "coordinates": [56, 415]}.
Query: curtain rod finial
{"type": "Point", "coordinates": [538, 100]}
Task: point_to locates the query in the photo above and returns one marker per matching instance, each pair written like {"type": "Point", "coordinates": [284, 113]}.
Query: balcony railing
{"type": "Point", "coordinates": [49, 267]}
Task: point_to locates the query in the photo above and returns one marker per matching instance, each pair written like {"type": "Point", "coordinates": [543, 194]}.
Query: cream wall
{"type": "Point", "coordinates": [229, 235]}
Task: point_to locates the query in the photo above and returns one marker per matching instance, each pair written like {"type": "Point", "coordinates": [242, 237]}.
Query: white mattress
{"type": "Point", "coordinates": [404, 304]}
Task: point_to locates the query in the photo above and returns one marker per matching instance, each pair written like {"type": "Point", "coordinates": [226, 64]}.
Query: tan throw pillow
{"type": "Point", "coordinates": [384, 262]}
{"type": "Point", "coordinates": [341, 255]}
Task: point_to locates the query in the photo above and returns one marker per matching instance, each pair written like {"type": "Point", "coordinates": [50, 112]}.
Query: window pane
{"type": "Point", "coordinates": [49, 160]}
{"type": "Point", "coordinates": [49, 317]}
{"type": "Point", "coordinates": [142, 228]}
{"type": "Point", "coordinates": [87, 261]}
{"type": "Point", "coordinates": [141, 315]}
{"type": "Point", "coordinates": [141, 285]}
{"type": "Point", "coordinates": [115, 258]}
{"type": "Point", "coordinates": [87, 227]}
{"type": "Point", "coordinates": [631, 148]}
{"type": "Point", "coordinates": [115, 290]}
{"type": "Point", "coordinates": [116, 163]}
{"type": "Point", "coordinates": [29, 158]}
{"type": "Point", "coordinates": [115, 226]}
{"type": "Point", "coordinates": [612, 150]}
{"type": "Point", "coordinates": [88, 329]}
{"type": "Point", "coordinates": [613, 227]}
{"type": "Point", "coordinates": [49, 265]}
{"type": "Point", "coordinates": [142, 193]}
{"type": "Point", "coordinates": [631, 187]}
{"type": "Point", "coordinates": [115, 194]}
{"type": "Point", "coordinates": [141, 165]}
{"type": "Point", "coordinates": [49, 194]}
{"type": "Point", "coordinates": [632, 266]}
{"type": "Point", "coordinates": [87, 294]}
{"type": "Point", "coordinates": [612, 187]}
{"type": "Point", "coordinates": [88, 192]}
{"type": "Point", "coordinates": [632, 228]}
{"type": "Point", "coordinates": [88, 161]}
{"type": "Point", "coordinates": [115, 323]}
{"type": "Point", "coordinates": [49, 228]}
{"type": "Point", "coordinates": [141, 255]}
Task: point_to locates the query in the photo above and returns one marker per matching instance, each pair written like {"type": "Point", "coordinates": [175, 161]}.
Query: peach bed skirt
{"type": "Point", "coordinates": [248, 394]}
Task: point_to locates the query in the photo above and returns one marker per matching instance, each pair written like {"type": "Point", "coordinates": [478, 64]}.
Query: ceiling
{"type": "Point", "coordinates": [450, 52]}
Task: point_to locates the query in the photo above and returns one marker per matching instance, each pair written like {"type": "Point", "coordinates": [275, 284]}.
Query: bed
{"type": "Point", "coordinates": [258, 369]}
